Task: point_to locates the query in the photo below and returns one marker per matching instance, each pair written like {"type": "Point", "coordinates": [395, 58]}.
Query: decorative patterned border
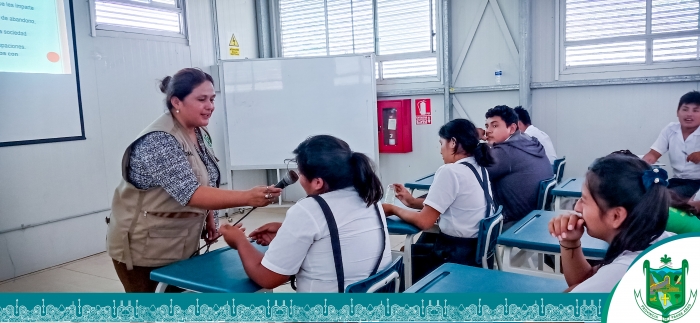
{"type": "Point", "coordinates": [313, 308]}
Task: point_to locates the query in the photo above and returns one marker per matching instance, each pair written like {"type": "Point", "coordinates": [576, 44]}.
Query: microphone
{"type": "Point", "coordinates": [288, 179]}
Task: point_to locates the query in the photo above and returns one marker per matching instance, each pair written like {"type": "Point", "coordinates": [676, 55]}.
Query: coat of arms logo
{"type": "Point", "coordinates": [665, 296]}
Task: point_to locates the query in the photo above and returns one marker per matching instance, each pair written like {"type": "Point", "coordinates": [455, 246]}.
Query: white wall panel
{"type": "Point", "coordinates": [118, 81]}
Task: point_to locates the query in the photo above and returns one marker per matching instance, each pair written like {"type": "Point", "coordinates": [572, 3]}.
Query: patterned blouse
{"type": "Point", "coordinates": [158, 160]}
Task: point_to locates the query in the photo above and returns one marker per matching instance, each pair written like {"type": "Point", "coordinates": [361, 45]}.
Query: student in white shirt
{"type": "Point", "coordinates": [525, 126]}
{"type": "Point", "coordinates": [625, 203]}
{"type": "Point", "coordinates": [682, 142]}
{"type": "Point", "coordinates": [301, 245]}
{"type": "Point", "coordinates": [456, 197]}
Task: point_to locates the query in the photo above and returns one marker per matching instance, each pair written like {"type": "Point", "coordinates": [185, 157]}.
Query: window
{"type": "Point", "coordinates": [161, 17]}
{"type": "Point", "coordinates": [607, 32]}
{"type": "Point", "coordinates": [405, 29]}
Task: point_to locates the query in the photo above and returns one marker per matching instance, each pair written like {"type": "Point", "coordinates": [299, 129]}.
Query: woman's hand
{"type": "Point", "coordinates": [260, 196]}
{"type": "Point", "coordinates": [388, 209]}
{"type": "Point", "coordinates": [212, 234]}
{"type": "Point", "coordinates": [403, 195]}
{"type": "Point", "coordinates": [567, 227]}
{"type": "Point", "coordinates": [264, 234]}
{"type": "Point", "coordinates": [234, 235]}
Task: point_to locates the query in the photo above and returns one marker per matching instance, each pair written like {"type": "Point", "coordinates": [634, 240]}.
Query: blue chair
{"type": "Point", "coordinates": [489, 230]}
{"type": "Point", "coordinates": [545, 198]}
{"type": "Point", "coordinates": [385, 281]}
{"type": "Point", "coordinates": [558, 168]}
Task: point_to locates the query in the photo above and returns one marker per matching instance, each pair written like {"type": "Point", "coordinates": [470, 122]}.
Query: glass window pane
{"type": "Point", "coordinates": [606, 54]}
{"type": "Point", "coordinates": [111, 13]}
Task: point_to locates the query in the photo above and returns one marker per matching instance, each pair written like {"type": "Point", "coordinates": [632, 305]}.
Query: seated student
{"type": "Point", "coordinates": [625, 203]}
{"type": "Point", "coordinates": [520, 164]}
{"type": "Point", "coordinates": [683, 215]}
{"type": "Point", "coordinates": [301, 245]}
{"type": "Point", "coordinates": [682, 142]}
{"type": "Point", "coordinates": [525, 126]}
{"type": "Point", "coordinates": [456, 197]}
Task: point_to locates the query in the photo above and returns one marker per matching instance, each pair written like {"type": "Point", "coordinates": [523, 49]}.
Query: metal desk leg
{"type": "Point", "coordinates": [407, 264]}
{"type": "Point", "coordinates": [161, 287]}
{"type": "Point", "coordinates": [499, 257]}
{"type": "Point", "coordinates": [505, 259]}
{"type": "Point", "coordinates": [557, 264]}
{"type": "Point", "coordinates": [557, 203]}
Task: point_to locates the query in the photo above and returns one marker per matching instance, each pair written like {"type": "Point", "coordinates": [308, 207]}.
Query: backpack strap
{"type": "Point", "coordinates": [381, 252]}
{"type": "Point", "coordinates": [484, 183]}
{"type": "Point", "coordinates": [335, 242]}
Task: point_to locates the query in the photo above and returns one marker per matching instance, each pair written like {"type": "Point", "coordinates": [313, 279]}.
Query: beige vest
{"type": "Point", "coordinates": [149, 228]}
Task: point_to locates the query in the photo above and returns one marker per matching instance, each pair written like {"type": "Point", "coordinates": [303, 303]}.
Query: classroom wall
{"type": "Point", "coordinates": [118, 82]}
{"type": "Point", "coordinates": [488, 50]}
{"type": "Point", "coordinates": [588, 122]}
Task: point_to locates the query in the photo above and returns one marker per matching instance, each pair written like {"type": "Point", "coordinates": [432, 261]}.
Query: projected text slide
{"type": "Point", "coordinates": [33, 37]}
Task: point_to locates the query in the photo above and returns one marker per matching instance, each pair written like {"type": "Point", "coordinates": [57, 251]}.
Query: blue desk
{"type": "Point", "coordinates": [422, 184]}
{"type": "Point", "coordinates": [453, 278]}
{"type": "Point", "coordinates": [219, 271]}
{"type": "Point", "coordinates": [569, 188]}
{"type": "Point", "coordinates": [397, 226]}
{"type": "Point", "coordinates": [532, 234]}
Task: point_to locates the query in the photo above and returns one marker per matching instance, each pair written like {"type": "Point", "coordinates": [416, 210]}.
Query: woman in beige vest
{"type": "Point", "coordinates": [169, 186]}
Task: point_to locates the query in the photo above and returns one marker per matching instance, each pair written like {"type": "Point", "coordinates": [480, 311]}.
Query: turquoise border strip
{"type": "Point", "coordinates": [259, 307]}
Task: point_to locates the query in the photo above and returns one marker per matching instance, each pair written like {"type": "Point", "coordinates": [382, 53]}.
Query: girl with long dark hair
{"type": "Point", "coordinates": [624, 202]}
{"type": "Point", "coordinates": [302, 245]}
{"type": "Point", "coordinates": [456, 197]}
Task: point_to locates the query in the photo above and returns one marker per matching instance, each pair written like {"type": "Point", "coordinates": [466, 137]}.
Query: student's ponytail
{"type": "Point", "coordinates": [332, 160]}
{"type": "Point", "coordinates": [629, 182]}
{"type": "Point", "coordinates": [365, 180]}
{"type": "Point", "coordinates": [482, 154]}
{"type": "Point", "coordinates": [466, 136]}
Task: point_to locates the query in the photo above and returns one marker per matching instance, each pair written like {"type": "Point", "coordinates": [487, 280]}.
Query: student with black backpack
{"type": "Point", "coordinates": [460, 197]}
{"type": "Point", "coordinates": [335, 237]}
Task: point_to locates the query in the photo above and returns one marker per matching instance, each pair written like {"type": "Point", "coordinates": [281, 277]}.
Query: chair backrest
{"type": "Point", "coordinates": [385, 281]}
{"type": "Point", "coordinates": [558, 168]}
{"type": "Point", "coordinates": [545, 198]}
{"type": "Point", "coordinates": [489, 230]}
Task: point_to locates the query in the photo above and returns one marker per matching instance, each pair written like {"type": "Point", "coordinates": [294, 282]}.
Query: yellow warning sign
{"type": "Point", "coordinates": [234, 51]}
{"type": "Point", "coordinates": [233, 42]}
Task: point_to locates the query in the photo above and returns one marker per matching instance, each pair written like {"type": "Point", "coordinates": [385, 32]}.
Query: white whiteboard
{"type": "Point", "coordinates": [272, 105]}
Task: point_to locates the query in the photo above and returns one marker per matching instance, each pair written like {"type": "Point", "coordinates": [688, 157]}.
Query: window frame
{"type": "Point", "coordinates": [436, 52]}
{"type": "Point", "coordinates": [109, 30]}
{"type": "Point", "coordinates": [648, 68]}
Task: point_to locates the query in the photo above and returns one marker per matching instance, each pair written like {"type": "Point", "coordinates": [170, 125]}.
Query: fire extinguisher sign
{"type": "Point", "coordinates": [423, 114]}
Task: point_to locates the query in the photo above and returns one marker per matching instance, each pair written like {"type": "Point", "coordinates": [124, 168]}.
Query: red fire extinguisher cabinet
{"type": "Point", "coordinates": [395, 134]}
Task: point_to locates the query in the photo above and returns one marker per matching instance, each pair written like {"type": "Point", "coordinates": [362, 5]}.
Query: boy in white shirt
{"type": "Point", "coordinates": [682, 142]}
{"type": "Point", "coordinates": [525, 126]}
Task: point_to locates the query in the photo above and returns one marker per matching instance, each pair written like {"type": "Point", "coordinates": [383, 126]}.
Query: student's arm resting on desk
{"type": "Point", "coordinates": [251, 258]}
{"type": "Point", "coordinates": [568, 228]}
{"type": "Point", "coordinates": [660, 146]}
{"type": "Point", "coordinates": [423, 219]}
{"type": "Point", "coordinates": [651, 157]}
{"type": "Point", "coordinates": [407, 198]}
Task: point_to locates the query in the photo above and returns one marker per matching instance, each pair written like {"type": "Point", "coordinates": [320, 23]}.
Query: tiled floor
{"type": "Point", "coordinates": [96, 273]}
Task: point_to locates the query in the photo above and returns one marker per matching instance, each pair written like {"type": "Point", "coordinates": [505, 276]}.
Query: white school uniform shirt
{"type": "Point", "coordinates": [671, 140]}
{"type": "Point", "coordinates": [459, 198]}
{"type": "Point", "coordinates": [544, 139]}
{"type": "Point", "coordinates": [302, 246]}
{"type": "Point", "coordinates": [609, 275]}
